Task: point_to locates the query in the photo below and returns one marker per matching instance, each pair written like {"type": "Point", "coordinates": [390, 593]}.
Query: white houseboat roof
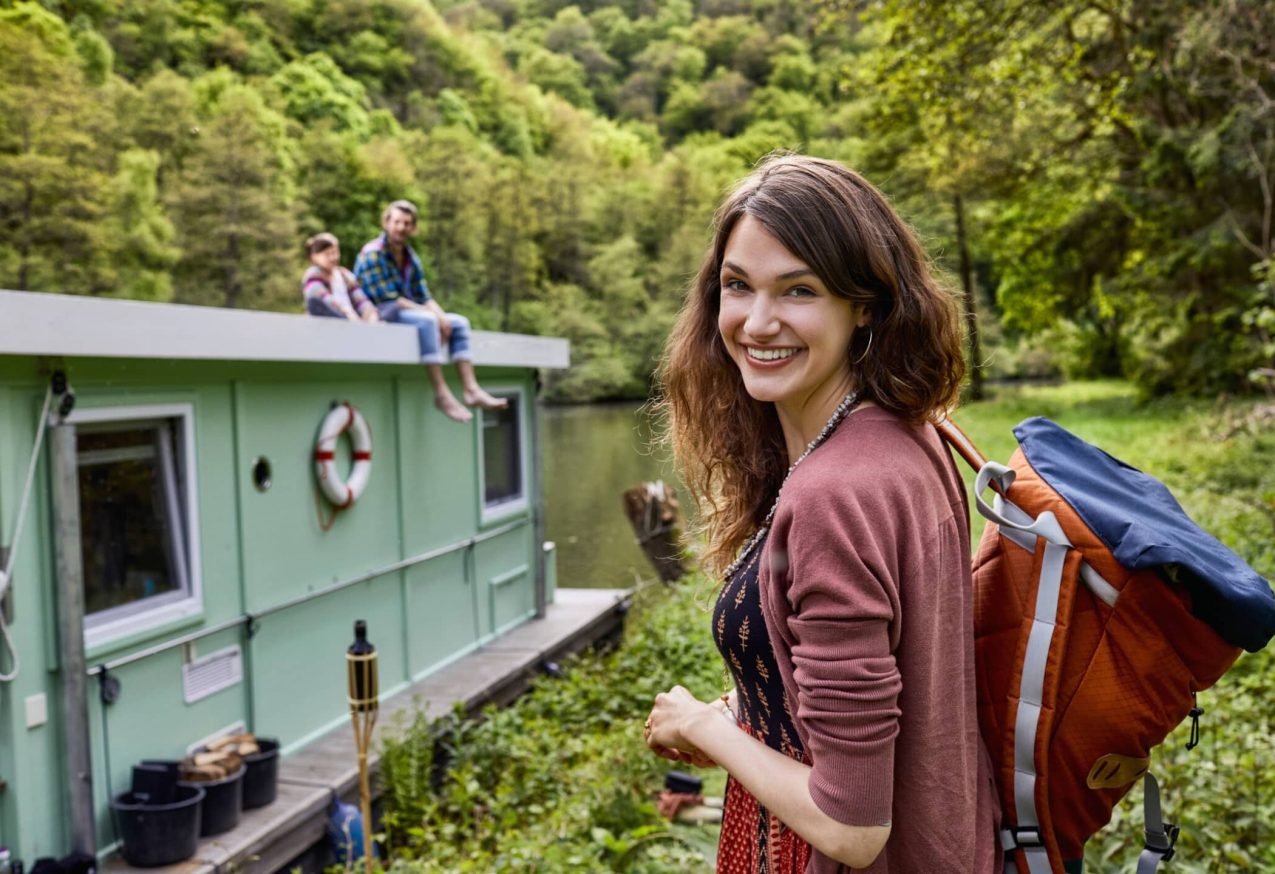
{"type": "Point", "coordinates": [38, 323]}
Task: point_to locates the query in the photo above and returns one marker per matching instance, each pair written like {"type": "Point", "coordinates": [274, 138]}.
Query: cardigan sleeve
{"type": "Point", "coordinates": [842, 590]}
{"type": "Point", "coordinates": [362, 303]}
{"type": "Point", "coordinates": [315, 287]}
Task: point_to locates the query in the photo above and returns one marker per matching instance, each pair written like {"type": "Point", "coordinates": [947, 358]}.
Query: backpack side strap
{"type": "Point", "coordinates": [1161, 835]}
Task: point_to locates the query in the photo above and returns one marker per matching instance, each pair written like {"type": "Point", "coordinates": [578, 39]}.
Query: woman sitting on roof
{"type": "Point", "coordinates": [330, 289]}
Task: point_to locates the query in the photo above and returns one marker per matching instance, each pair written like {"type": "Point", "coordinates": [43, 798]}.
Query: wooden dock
{"type": "Point", "coordinates": [269, 838]}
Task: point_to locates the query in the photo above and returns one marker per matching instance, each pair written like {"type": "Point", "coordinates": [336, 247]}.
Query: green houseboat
{"type": "Point", "coordinates": [178, 559]}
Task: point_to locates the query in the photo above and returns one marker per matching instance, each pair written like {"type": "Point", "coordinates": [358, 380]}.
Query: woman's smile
{"type": "Point", "coordinates": [768, 357]}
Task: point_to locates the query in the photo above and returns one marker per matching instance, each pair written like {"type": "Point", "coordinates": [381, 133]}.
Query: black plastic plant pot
{"type": "Point", "coordinates": [159, 834]}
{"type": "Point", "coordinates": [261, 777]}
{"type": "Point", "coordinates": [223, 799]}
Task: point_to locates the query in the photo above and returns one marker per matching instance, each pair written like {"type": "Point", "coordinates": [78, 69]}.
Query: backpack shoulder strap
{"type": "Point", "coordinates": [963, 445]}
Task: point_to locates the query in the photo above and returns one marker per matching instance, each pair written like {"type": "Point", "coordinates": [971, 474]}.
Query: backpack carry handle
{"type": "Point", "coordinates": [1000, 478]}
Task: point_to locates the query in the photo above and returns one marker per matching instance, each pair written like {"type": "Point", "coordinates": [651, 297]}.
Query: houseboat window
{"type": "Point", "coordinates": [503, 486]}
{"type": "Point", "coordinates": [133, 525]}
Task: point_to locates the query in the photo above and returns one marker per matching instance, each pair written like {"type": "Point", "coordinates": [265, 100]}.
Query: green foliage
{"type": "Point", "coordinates": [231, 204]}
{"type": "Point", "coordinates": [96, 56]}
{"type": "Point", "coordinates": [313, 88]}
{"type": "Point", "coordinates": [1104, 170]}
{"type": "Point", "coordinates": [560, 781]}
{"type": "Point", "coordinates": [141, 235]}
{"type": "Point", "coordinates": [53, 158]}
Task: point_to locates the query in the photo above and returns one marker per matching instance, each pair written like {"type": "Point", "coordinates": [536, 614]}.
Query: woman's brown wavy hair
{"type": "Point", "coordinates": [729, 447]}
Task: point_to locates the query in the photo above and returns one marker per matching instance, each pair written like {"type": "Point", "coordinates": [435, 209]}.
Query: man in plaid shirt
{"type": "Point", "coordinates": [390, 273]}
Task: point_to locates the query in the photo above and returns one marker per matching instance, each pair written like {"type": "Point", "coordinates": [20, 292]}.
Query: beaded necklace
{"type": "Point", "coordinates": [843, 409]}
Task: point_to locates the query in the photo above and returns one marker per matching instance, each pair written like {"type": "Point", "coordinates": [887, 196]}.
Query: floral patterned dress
{"type": "Point", "coordinates": [754, 841]}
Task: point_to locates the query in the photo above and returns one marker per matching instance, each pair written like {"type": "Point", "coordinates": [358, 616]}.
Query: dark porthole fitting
{"type": "Point", "coordinates": [261, 474]}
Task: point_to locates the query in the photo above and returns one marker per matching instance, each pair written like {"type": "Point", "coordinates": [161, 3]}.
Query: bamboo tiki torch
{"type": "Point", "coordinates": [360, 659]}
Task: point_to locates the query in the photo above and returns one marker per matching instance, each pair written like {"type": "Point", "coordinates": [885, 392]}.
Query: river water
{"type": "Point", "coordinates": [592, 453]}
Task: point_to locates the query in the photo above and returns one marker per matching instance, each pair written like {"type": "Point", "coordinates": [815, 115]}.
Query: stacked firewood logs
{"type": "Point", "coordinates": [219, 759]}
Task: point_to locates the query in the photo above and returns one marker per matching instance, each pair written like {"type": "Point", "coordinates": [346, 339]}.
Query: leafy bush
{"type": "Point", "coordinates": [560, 781]}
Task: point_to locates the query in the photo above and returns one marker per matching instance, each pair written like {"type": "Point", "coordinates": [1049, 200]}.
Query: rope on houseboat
{"type": "Point", "coordinates": [7, 572]}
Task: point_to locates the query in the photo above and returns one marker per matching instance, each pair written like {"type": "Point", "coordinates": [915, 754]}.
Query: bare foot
{"type": "Point", "coordinates": [452, 408]}
{"type": "Point", "coordinates": [476, 397]}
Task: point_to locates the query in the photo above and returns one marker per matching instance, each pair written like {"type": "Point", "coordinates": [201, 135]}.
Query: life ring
{"type": "Point", "coordinates": [343, 417]}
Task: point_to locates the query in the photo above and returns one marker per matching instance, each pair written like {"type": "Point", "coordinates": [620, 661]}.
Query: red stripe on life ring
{"type": "Point", "coordinates": [324, 455]}
{"type": "Point", "coordinates": [363, 456]}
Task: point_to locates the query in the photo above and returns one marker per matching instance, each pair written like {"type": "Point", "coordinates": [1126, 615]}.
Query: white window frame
{"type": "Point", "coordinates": [126, 620]}
{"type": "Point", "coordinates": [490, 513]}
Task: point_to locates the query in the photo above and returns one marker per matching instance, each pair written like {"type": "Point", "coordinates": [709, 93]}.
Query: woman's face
{"type": "Point", "coordinates": [786, 332]}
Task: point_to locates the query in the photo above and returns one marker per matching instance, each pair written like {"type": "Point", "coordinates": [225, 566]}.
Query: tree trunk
{"type": "Point", "coordinates": [971, 311]}
{"type": "Point", "coordinates": [652, 511]}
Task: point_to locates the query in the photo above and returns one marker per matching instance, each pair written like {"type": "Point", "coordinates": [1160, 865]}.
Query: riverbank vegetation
{"type": "Point", "coordinates": [560, 781]}
{"type": "Point", "coordinates": [1097, 179]}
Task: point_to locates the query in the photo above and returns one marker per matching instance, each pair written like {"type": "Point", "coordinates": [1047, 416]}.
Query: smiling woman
{"type": "Point", "coordinates": [800, 381]}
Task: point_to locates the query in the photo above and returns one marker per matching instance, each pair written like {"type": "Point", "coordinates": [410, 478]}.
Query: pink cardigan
{"type": "Point", "coordinates": [867, 597]}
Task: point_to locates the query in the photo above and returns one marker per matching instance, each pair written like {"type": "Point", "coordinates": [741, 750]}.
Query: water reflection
{"type": "Point", "coordinates": [592, 454]}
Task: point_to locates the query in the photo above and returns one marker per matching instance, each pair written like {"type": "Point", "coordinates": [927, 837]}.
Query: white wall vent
{"type": "Point", "coordinates": [212, 673]}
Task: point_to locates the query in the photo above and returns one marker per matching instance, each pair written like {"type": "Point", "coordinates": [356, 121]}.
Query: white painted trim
{"type": "Point", "coordinates": [505, 509]}
{"type": "Point", "coordinates": [36, 323]}
{"type": "Point", "coordinates": [170, 609]}
{"type": "Point", "coordinates": [494, 349]}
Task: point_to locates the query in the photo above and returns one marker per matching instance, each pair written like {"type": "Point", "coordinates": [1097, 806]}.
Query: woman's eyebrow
{"type": "Point", "coordinates": [795, 274]}
{"type": "Point", "coordinates": [791, 274]}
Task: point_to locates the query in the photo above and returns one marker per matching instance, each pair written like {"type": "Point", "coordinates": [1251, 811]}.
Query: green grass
{"type": "Point", "coordinates": [561, 782]}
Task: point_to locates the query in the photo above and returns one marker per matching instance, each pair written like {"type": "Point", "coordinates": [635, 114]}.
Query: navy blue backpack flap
{"type": "Point", "coordinates": [1145, 528]}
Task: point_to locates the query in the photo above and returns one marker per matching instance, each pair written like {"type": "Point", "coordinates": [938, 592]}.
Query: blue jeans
{"type": "Point", "coordinates": [317, 306]}
{"type": "Point", "coordinates": [430, 337]}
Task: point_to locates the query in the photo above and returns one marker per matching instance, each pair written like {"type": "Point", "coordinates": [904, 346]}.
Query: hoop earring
{"type": "Point", "coordinates": [864, 355]}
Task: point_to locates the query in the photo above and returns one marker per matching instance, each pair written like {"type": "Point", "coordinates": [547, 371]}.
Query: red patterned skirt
{"type": "Point", "coordinates": [753, 840]}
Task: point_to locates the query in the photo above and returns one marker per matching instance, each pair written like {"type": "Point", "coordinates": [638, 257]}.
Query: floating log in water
{"type": "Point", "coordinates": [652, 511]}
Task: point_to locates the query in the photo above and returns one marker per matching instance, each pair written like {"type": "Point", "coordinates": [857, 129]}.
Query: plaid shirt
{"type": "Point", "coordinates": [382, 280]}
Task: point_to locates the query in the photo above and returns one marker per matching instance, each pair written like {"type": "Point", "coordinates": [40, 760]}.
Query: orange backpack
{"type": "Point", "coordinates": [1100, 610]}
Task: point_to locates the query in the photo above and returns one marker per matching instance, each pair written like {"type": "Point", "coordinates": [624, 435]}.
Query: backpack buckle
{"type": "Point", "coordinates": [1162, 842]}
{"type": "Point", "coordinates": [1013, 838]}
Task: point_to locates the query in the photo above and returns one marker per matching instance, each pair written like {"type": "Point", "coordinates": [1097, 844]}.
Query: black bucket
{"type": "Point", "coordinates": [159, 834]}
{"type": "Point", "coordinates": [223, 800]}
{"type": "Point", "coordinates": [261, 775]}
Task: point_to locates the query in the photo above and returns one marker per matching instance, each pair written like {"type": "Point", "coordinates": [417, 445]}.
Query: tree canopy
{"type": "Point", "coordinates": [1096, 178]}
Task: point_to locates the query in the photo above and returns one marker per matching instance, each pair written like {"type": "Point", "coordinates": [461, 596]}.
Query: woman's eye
{"type": "Point", "coordinates": [735, 285]}
{"type": "Point", "coordinates": [801, 291]}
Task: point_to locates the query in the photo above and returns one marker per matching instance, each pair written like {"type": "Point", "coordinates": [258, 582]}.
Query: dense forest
{"type": "Point", "coordinates": [1095, 177]}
